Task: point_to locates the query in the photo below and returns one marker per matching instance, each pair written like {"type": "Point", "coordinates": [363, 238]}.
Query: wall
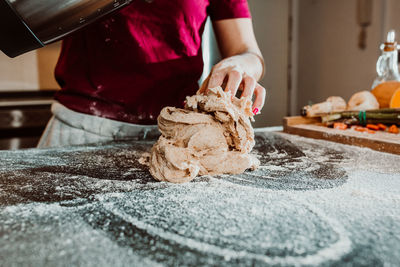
{"type": "Point", "coordinates": [391, 16]}
{"type": "Point", "coordinates": [329, 60]}
{"type": "Point", "coordinates": [31, 71]}
{"type": "Point", "coordinates": [47, 58]}
{"type": "Point", "coordinates": [19, 73]}
{"type": "Point", "coordinates": [271, 26]}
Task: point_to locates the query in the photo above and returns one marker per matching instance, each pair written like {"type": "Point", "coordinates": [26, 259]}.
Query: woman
{"type": "Point", "coordinates": [116, 75]}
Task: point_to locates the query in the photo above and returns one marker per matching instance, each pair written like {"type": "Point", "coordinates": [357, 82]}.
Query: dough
{"type": "Point", "coordinates": [211, 135]}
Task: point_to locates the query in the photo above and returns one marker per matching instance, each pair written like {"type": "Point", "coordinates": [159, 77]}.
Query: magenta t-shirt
{"type": "Point", "coordinates": [139, 60]}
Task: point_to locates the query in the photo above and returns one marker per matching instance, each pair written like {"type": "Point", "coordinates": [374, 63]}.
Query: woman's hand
{"type": "Point", "coordinates": [231, 75]}
{"type": "Point", "coordinates": [243, 64]}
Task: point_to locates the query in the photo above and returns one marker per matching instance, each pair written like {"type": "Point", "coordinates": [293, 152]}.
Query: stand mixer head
{"type": "Point", "coordinates": [26, 25]}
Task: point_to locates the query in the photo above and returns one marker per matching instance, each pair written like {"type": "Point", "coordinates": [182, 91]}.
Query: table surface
{"type": "Point", "coordinates": [310, 203]}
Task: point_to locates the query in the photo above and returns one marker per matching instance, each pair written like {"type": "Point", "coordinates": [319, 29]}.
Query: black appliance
{"type": "Point", "coordinates": [26, 25]}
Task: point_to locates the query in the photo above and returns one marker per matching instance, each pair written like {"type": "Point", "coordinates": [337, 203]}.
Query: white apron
{"type": "Point", "coordinates": [68, 127]}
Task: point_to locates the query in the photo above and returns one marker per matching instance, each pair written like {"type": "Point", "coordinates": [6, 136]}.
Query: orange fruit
{"type": "Point", "coordinates": [384, 91]}
{"type": "Point", "coordinates": [395, 100]}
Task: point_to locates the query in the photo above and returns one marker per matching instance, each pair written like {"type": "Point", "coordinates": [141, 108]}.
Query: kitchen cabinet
{"type": "Point", "coordinates": [23, 117]}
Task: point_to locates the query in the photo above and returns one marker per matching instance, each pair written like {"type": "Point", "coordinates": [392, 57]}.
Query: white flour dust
{"type": "Point", "coordinates": [310, 203]}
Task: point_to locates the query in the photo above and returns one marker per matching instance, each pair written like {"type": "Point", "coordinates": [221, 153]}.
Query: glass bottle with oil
{"type": "Point", "coordinates": [388, 79]}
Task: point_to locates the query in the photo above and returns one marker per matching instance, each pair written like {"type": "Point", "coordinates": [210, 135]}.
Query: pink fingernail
{"type": "Point", "coordinates": [255, 111]}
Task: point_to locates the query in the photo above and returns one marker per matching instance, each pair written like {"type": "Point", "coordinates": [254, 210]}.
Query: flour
{"type": "Point", "coordinates": [310, 203]}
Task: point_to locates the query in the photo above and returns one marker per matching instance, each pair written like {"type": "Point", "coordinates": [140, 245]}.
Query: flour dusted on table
{"type": "Point", "coordinates": [211, 135]}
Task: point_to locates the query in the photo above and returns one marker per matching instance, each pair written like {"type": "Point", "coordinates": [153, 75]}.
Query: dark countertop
{"type": "Point", "coordinates": [310, 203]}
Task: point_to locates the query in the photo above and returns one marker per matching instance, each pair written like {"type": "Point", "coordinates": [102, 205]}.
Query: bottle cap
{"type": "Point", "coordinates": [390, 44]}
{"type": "Point", "coordinates": [391, 37]}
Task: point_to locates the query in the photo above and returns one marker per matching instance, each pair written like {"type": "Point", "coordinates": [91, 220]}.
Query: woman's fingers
{"type": "Point", "coordinates": [216, 79]}
{"type": "Point", "coordinates": [249, 84]}
{"type": "Point", "coordinates": [234, 80]}
{"type": "Point", "coordinates": [258, 104]}
{"type": "Point", "coordinates": [230, 78]}
{"type": "Point", "coordinates": [204, 86]}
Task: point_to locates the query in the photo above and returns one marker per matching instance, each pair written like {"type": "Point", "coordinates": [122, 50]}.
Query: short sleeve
{"type": "Point", "coordinates": [228, 9]}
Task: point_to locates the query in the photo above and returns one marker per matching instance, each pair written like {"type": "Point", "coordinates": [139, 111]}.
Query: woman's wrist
{"type": "Point", "coordinates": [261, 69]}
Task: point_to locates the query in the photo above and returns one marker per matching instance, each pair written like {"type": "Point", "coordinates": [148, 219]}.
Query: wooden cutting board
{"type": "Point", "coordinates": [313, 128]}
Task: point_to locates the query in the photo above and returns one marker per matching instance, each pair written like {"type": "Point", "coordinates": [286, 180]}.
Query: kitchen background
{"type": "Point", "coordinates": [311, 47]}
